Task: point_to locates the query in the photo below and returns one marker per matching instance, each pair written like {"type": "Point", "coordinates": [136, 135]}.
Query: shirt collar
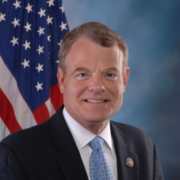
{"type": "Point", "coordinates": [82, 136]}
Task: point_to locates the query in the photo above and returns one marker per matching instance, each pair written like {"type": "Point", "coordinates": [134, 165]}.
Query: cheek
{"type": "Point", "coordinates": [116, 90]}
{"type": "Point", "coordinates": [118, 99]}
{"type": "Point", "coordinates": [73, 90]}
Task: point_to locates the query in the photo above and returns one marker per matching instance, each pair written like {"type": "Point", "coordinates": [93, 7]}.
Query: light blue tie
{"type": "Point", "coordinates": [99, 166]}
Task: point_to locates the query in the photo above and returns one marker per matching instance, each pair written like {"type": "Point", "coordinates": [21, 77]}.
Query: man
{"type": "Point", "coordinates": [92, 76]}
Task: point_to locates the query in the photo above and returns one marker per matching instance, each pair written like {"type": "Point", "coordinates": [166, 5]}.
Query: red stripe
{"type": "Point", "coordinates": [7, 113]}
{"type": "Point", "coordinates": [41, 114]}
{"type": "Point", "coordinates": [56, 97]}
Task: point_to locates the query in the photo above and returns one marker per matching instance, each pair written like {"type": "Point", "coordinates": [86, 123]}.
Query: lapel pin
{"type": "Point", "coordinates": [129, 162]}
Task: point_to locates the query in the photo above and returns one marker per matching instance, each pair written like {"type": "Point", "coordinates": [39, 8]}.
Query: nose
{"type": "Point", "coordinates": [96, 84]}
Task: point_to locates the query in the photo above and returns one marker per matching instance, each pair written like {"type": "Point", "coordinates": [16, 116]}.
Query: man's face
{"type": "Point", "coordinates": [93, 86]}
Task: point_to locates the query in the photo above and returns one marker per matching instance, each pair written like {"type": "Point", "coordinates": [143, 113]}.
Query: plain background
{"type": "Point", "coordinates": [151, 29]}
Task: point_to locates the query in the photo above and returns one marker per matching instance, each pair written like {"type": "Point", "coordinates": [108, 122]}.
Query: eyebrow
{"type": "Point", "coordinates": [111, 69]}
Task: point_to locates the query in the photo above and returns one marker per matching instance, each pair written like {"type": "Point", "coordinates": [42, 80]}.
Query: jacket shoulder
{"type": "Point", "coordinates": [136, 136]}
{"type": "Point", "coordinates": [32, 134]}
{"type": "Point", "coordinates": [27, 136]}
{"type": "Point", "coordinates": [129, 130]}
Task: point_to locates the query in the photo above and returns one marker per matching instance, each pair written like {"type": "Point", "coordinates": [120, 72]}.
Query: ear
{"type": "Point", "coordinates": [60, 79]}
{"type": "Point", "coordinates": [125, 78]}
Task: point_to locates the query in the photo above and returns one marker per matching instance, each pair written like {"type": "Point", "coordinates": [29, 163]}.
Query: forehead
{"type": "Point", "coordinates": [84, 50]}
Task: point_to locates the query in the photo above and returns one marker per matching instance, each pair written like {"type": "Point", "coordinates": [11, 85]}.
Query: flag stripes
{"type": "Point", "coordinates": [7, 114]}
{"type": "Point", "coordinates": [30, 37]}
{"type": "Point", "coordinates": [15, 114]}
{"type": "Point", "coordinates": [3, 129]}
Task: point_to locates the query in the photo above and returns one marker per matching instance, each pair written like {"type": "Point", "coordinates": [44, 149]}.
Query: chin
{"type": "Point", "coordinates": [96, 119]}
{"type": "Point", "coordinates": [95, 122]}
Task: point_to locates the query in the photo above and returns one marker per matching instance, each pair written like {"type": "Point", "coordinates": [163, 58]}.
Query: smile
{"type": "Point", "coordinates": [95, 101]}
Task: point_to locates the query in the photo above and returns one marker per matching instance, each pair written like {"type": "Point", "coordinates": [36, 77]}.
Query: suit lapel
{"type": "Point", "coordinates": [69, 159]}
{"type": "Point", "coordinates": [68, 156]}
{"type": "Point", "coordinates": [121, 143]}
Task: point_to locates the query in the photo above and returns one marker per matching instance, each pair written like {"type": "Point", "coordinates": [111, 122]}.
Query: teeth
{"type": "Point", "coordinates": [95, 101]}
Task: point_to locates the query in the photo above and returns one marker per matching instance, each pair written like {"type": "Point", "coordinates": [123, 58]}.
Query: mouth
{"type": "Point", "coordinates": [95, 101]}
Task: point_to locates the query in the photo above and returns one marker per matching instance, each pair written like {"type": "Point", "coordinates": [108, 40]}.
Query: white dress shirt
{"type": "Point", "coordinates": [82, 137]}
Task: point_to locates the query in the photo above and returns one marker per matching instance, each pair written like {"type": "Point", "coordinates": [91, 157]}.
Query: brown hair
{"type": "Point", "coordinates": [96, 32]}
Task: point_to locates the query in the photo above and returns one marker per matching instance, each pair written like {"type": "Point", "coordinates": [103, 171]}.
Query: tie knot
{"type": "Point", "coordinates": [96, 143]}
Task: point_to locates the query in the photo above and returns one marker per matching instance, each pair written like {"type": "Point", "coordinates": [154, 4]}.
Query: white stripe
{"type": "Point", "coordinates": [50, 107]}
{"type": "Point", "coordinates": [9, 86]}
{"type": "Point", "coordinates": [4, 131]}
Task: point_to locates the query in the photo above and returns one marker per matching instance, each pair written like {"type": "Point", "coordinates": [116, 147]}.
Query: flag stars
{"type": "Point", "coordinates": [26, 63]}
{"type": "Point", "coordinates": [60, 42]}
{"type": "Point", "coordinates": [50, 2]}
{"type": "Point", "coordinates": [40, 49]}
{"type": "Point", "coordinates": [16, 22]}
{"type": "Point", "coordinates": [40, 67]}
{"type": "Point", "coordinates": [27, 27]}
{"type": "Point", "coordinates": [4, 1]}
{"type": "Point", "coordinates": [14, 41]}
{"type": "Point", "coordinates": [29, 8]}
{"type": "Point", "coordinates": [39, 86]}
{"type": "Point", "coordinates": [41, 12]}
{"type": "Point", "coordinates": [48, 38]}
{"type": "Point", "coordinates": [2, 17]}
{"type": "Point", "coordinates": [62, 8]}
{"type": "Point", "coordinates": [27, 45]}
{"type": "Point", "coordinates": [41, 30]}
{"type": "Point", "coordinates": [17, 4]}
{"type": "Point", "coordinates": [49, 20]}
{"type": "Point", "coordinates": [63, 26]}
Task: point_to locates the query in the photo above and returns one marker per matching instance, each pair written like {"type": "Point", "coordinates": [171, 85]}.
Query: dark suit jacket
{"type": "Point", "coordinates": [48, 152]}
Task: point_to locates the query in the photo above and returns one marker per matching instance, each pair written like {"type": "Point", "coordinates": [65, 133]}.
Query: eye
{"type": "Point", "coordinates": [82, 74]}
{"type": "Point", "coordinates": [109, 74]}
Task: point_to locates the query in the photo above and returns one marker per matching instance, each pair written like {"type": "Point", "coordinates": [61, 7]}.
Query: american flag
{"type": "Point", "coordinates": [31, 32]}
